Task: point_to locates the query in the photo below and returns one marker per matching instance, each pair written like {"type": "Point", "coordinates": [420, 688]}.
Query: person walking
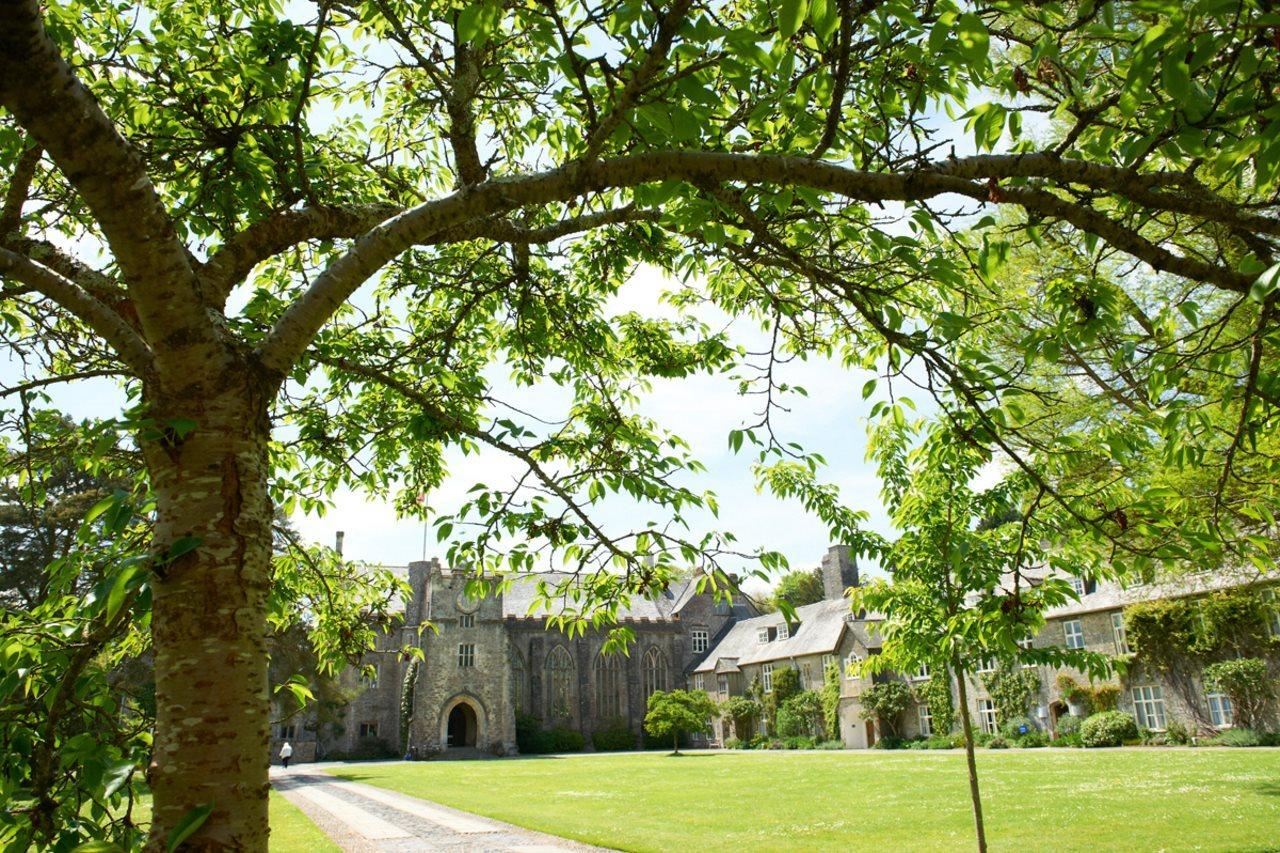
{"type": "Point", "coordinates": [285, 752]}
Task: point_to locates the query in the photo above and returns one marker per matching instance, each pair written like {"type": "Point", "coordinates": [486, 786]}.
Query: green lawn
{"type": "Point", "coordinates": [1130, 799]}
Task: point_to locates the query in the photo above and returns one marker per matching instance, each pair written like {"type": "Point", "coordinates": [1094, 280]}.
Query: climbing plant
{"type": "Point", "coordinates": [831, 698]}
{"type": "Point", "coordinates": [1249, 686]}
{"type": "Point", "coordinates": [885, 703]}
{"type": "Point", "coordinates": [1012, 689]}
{"type": "Point", "coordinates": [936, 693]}
{"type": "Point", "coordinates": [406, 702]}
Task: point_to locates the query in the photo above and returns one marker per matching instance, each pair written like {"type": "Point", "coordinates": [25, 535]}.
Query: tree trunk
{"type": "Point", "coordinates": [967, 726]}
{"type": "Point", "coordinates": [209, 621]}
{"type": "Point", "coordinates": [675, 743]}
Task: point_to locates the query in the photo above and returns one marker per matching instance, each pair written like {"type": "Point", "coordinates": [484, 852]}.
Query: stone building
{"type": "Point", "coordinates": [487, 660]}
{"type": "Point", "coordinates": [490, 659]}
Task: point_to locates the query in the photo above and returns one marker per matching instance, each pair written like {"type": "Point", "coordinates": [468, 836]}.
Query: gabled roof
{"type": "Point", "coordinates": [819, 630]}
{"type": "Point", "coordinates": [1112, 596]}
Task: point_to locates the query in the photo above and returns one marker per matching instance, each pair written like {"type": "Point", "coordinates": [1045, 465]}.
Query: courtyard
{"type": "Point", "coordinates": [1117, 799]}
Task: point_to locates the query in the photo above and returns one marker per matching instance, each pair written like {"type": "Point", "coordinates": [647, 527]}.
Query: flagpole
{"type": "Point", "coordinates": [422, 502]}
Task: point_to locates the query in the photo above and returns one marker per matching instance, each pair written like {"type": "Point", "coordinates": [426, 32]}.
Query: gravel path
{"type": "Point", "coordinates": [363, 819]}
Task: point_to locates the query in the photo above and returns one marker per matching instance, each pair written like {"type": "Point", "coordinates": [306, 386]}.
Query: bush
{"type": "Point", "coordinates": [997, 742]}
{"type": "Point", "coordinates": [1247, 683]}
{"type": "Point", "coordinates": [1033, 739]}
{"type": "Point", "coordinates": [1068, 724]}
{"type": "Point", "coordinates": [890, 742]}
{"type": "Point", "coordinates": [957, 740]}
{"type": "Point", "coordinates": [1017, 728]}
{"type": "Point", "coordinates": [1071, 740]}
{"type": "Point", "coordinates": [1105, 697]}
{"type": "Point", "coordinates": [1108, 728]}
{"type": "Point", "coordinates": [938, 742]}
{"type": "Point", "coordinates": [567, 740]}
{"type": "Point", "coordinates": [831, 744]}
{"type": "Point", "coordinates": [774, 743]}
{"type": "Point", "coordinates": [734, 743]}
{"type": "Point", "coordinates": [801, 742]}
{"type": "Point", "coordinates": [1238, 737]}
{"type": "Point", "coordinates": [1269, 738]}
{"type": "Point", "coordinates": [1177, 734]}
{"type": "Point", "coordinates": [757, 742]}
{"type": "Point", "coordinates": [615, 737]}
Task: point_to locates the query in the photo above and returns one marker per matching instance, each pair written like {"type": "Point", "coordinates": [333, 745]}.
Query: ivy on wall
{"type": "Point", "coordinates": [406, 703]}
{"type": "Point", "coordinates": [1012, 691]}
{"type": "Point", "coordinates": [936, 693]}
{"type": "Point", "coordinates": [831, 699]}
{"type": "Point", "coordinates": [885, 702]}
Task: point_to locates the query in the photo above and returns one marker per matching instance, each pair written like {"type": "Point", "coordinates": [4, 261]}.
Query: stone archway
{"type": "Point", "coordinates": [462, 724]}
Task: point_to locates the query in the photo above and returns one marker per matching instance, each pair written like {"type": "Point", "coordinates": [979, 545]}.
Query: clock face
{"type": "Point", "coordinates": [467, 604]}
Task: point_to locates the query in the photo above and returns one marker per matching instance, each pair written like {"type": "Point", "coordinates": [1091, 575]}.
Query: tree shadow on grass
{"type": "Point", "coordinates": [1268, 789]}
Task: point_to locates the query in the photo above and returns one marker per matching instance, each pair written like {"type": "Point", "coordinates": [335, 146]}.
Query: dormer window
{"type": "Point", "coordinates": [762, 635]}
{"type": "Point", "coordinates": [784, 631]}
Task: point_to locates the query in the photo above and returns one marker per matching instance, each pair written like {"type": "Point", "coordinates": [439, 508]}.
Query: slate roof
{"type": "Point", "coordinates": [1111, 596]}
{"type": "Point", "coordinates": [522, 594]}
{"type": "Point", "coordinates": [820, 628]}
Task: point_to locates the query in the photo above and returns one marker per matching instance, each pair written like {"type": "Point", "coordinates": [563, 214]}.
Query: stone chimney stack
{"type": "Point", "coordinates": [419, 571]}
{"type": "Point", "coordinates": [839, 571]}
{"type": "Point", "coordinates": [337, 542]}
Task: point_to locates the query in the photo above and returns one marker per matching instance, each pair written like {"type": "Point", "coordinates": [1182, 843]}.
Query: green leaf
{"type": "Point", "coordinates": [973, 38]}
{"type": "Point", "coordinates": [184, 545]}
{"type": "Point", "coordinates": [791, 15]}
{"type": "Point", "coordinates": [97, 845]}
{"type": "Point", "coordinates": [1265, 285]}
{"type": "Point", "coordinates": [187, 827]}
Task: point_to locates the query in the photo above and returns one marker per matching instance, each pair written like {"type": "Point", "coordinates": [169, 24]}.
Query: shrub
{"type": "Point", "coordinates": [885, 702]}
{"type": "Point", "coordinates": [1269, 738]}
{"type": "Point", "coordinates": [1016, 728]}
{"type": "Point", "coordinates": [1072, 739]}
{"type": "Point", "coordinates": [1177, 734]}
{"type": "Point", "coordinates": [801, 715]}
{"type": "Point", "coordinates": [939, 742]}
{"type": "Point", "coordinates": [734, 743]}
{"type": "Point", "coordinates": [614, 737]}
{"type": "Point", "coordinates": [1108, 728]}
{"type": "Point", "coordinates": [890, 742]}
{"type": "Point", "coordinates": [1238, 737]}
{"type": "Point", "coordinates": [801, 742]}
{"type": "Point", "coordinates": [957, 740]}
{"type": "Point", "coordinates": [997, 742]}
{"type": "Point", "coordinates": [566, 740]}
{"type": "Point", "coordinates": [831, 744]}
{"type": "Point", "coordinates": [1033, 739]}
{"type": "Point", "coordinates": [774, 743]}
{"type": "Point", "coordinates": [1069, 724]}
{"type": "Point", "coordinates": [1246, 683]}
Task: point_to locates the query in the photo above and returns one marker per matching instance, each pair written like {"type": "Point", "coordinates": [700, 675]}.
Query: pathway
{"type": "Point", "coordinates": [366, 819]}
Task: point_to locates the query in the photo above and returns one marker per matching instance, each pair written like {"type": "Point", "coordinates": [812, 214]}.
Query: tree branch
{"type": "Point", "coordinates": [107, 323]}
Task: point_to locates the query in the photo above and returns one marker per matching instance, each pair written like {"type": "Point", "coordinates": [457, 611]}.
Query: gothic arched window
{"type": "Point", "coordinates": [655, 672]}
{"type": "Point", "coordinates": [519, 680]}
{"type": "Point", "coordinates": [560, 677]}
{"type": "Point", "coordinates": [610, 686]}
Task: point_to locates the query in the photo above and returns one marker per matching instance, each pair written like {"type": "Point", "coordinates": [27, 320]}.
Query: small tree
{"type": "Point", "coordinates": [1247, 684]}
{"type": "Point", "coordinates": [798, 588]}
{"type": "Point", "coordinates": [740, 710]}
{"type": "Point", "coordinates": [678, 712]}
{"type": "Point", "coordinates": [803, 713]}
{"type": "Point", "coordinates": [885, 703]}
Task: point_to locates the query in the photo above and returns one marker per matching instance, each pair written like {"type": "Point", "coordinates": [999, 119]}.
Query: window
{"type": "Point", "coordinates": [762, 635]}
{"type": "Point", "coordinates": [1077, 586]}
{"type": "Point", "coordinates": [922, 672]}
{"type": "Point", "coordinates": [466, 654]}
{"type": "Point", "coordinates": [1221, 714]}
{"type": "Point", "coordinates": [370, 678]}
{"type": "Point", "coordinates": [851, 665]}
{"type": "Point", "coordinates": [655, 672]}
{"type": "Point", "coordinates": [1074, 632]}
{"type": "Point", "coordinates": [560, 678]}
{"type": "Point", "coordinates": [699, 683]}
{"type": "Point", "coordinates": [766, 677]}
{"type": "Point", "coordinates": [1026, 642]}
{"type": "Point", "coordinates": [1117, 631]}
{"type": "Point", "coordinates": [1148, 707]}
{"type": "Point", "coordinates": [368, 730]}
{"type": "Point", "coordinates": [699, 638]}
{"type": "Point", "coordinates": [610, 686]}
{"type": "Point", "coordinates": [926, 719]}
{"type": "Point", "coordinates": [784, 631]}
{"type": "Point", "coordinates": [722, 683]}
{"type": "Point", "coordinates": [987, 715]}
{"type": "Point", "coordinates": [827, 661]}
{"type": "Point", "coordinates": [467, 620]}
{"type": "Point", "coordinates": [288, 731]}
{"type": "Point", "coordinates": [986, 665]}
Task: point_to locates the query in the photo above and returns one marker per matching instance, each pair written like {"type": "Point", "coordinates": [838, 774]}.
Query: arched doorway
{"type": "Point", "coordinates": [871, 733]}
{"type": "Point", "coordinates": [462, 726]}
{"type": "Point", "coordinates": [1057, 711]}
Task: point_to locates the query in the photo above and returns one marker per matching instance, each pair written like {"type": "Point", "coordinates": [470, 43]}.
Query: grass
{"type": "Point", "coordinates": [291, 830]}
{"type": "Point", "coordinates": [1061, 800]}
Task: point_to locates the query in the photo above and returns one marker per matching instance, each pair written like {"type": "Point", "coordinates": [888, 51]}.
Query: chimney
{"type": "Point", "coordinates": [337, 542]}
{"type": "Point", "coordinates": [839, 571]}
